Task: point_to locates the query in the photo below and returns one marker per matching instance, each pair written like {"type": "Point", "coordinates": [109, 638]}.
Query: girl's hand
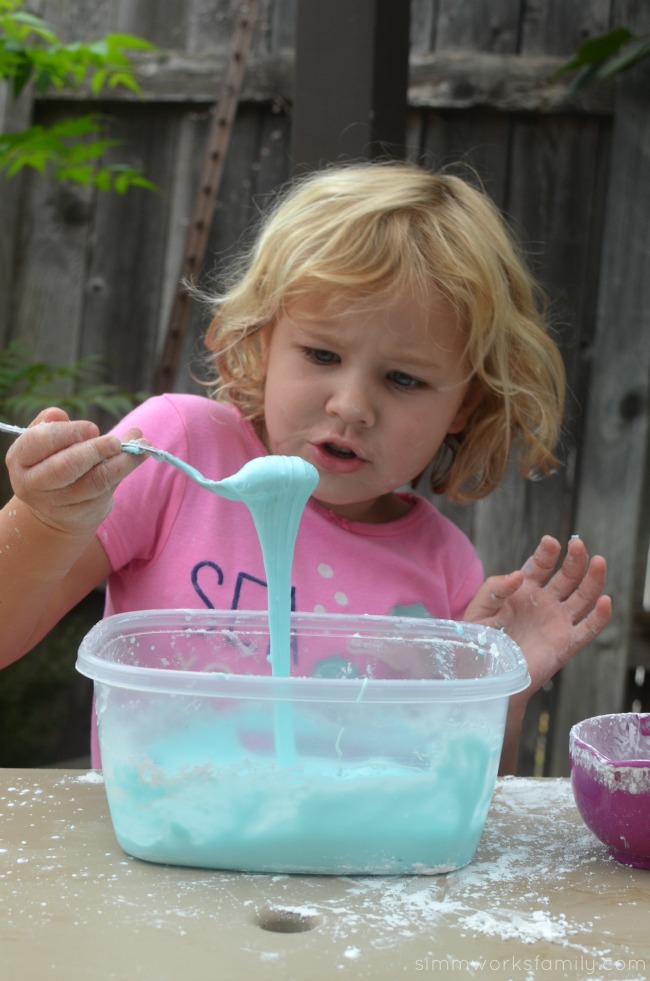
{"type": "Point", "coordinates": [549, 613]}
{"type": "Point", "coordinates": [66, 472]}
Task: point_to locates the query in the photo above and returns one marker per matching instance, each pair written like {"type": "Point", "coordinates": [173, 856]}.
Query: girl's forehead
{"type": "Point", "coordinates": [428, 313]}
{"type": "Point", "coordinates": [398, 320]}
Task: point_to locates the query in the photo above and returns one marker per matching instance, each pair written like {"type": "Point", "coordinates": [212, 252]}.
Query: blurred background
{"type": "Point", "coordinates": [234, 100]}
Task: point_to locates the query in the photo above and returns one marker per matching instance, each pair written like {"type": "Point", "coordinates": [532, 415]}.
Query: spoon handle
{"type": "Point", "coordinates": [132, 447]}
{"type": "Point", "coordinates": [139, 449]}
{"type": "Point", "coordinates": [6, 427]}
{"type": "Point", "coordinates": [164, 456]}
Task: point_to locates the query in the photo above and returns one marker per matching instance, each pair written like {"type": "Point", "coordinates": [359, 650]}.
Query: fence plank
{"type": "Point", "coordinates": [47, 289]}
{"type": "Point", "coordinates": [614, 464]}
{"type": "Point", "coordinates": [467, 26]}
{"type": "Point", "coordinates": [123, 295]}
{"type": "Point", "coordinates": [557, 27]}
{"type": "Point", "coordinates": [258, 163]}
{"type": "Point", "coordinates": [77, 20]}
{"type": "Point", "coordinates": [424, 16]}
{"type": "Point", "coordinates": [15, 115]}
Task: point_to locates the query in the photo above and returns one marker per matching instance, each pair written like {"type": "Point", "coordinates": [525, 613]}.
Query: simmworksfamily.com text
{"type": "Point", "coordinates": [584, 965]}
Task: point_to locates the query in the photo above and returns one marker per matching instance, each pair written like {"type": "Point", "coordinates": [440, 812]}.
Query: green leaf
{"type": "Point", "coordinates": [130, 42]}
{"type": "Point", "coordinates": [76, 126]}
{"type": "Point", "coordinates": [139, 180]}
{"type": "Point", "coordinates": [99, 48]}
{"type": "Point", "coordinates": [83, 152]}
{"type": "Point", "coordinates": [78, 174]}
{"type": "Point", "coordinates": [35, 161]}
{"type": "Point", "coordinates": [122, 183]}
{"type": "Point", "coordinates": [127, 81]}
{"type": "Point", "coordinates": [103, 180]}
{"type": "Point", "coordinates": [34, 23]}
{"type": "Point", "coordinates": [634, 52]}
{"type": "Point", "coordinates": [21, 75]}
{"type": "Point", "coordinates": [31, 52]}
{"type": "Point", "coordinates": [26, 387]}
{"type": "Point", "coordinates": [44, 81]}
{"type": "Point", "coordinates": [98, 80]}
{"type": "Point", "coordinates": [595, 49]}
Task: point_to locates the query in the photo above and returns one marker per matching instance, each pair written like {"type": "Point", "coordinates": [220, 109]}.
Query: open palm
{"type": "Point", "coordinates": [549, 611]}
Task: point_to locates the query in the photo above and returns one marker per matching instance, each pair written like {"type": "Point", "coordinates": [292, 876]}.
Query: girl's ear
{"type": "Point", "coordinates": [473, 397]}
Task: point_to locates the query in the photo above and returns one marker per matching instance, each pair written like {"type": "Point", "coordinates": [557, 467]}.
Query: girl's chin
{"type": "Point", "coordinates": [377, 510]}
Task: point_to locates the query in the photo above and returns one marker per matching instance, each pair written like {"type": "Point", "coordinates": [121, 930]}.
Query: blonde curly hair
{"type": "Point", "coordinates": [362, 232]}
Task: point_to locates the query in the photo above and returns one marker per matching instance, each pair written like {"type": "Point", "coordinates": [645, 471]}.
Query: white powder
{"type": "Point", "coordinates": [524, 908]}
{"type": "Point", "coordinates": [534, 871]}
{"type": "Point", "coordinates": [93, 776]}
{"type": "Point", "coordinates": [613, 776]}
{"type": "Point", "coordinates": [526, 927]}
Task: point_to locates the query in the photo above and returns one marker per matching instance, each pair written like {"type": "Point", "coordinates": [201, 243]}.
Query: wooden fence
{"type": "Point", "coordinates": [86, 274]}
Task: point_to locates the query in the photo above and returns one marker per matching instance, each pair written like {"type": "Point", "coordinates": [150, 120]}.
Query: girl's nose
{"type": "Point", "coordinates": [351, 401]}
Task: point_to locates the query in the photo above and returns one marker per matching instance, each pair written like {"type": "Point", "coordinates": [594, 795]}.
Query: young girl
{"type": "Point", "coordinates": [382, 326]}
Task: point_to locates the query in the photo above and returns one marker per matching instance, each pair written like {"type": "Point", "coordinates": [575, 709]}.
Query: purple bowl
{"type": "Point", "coordinates": [610, 777]}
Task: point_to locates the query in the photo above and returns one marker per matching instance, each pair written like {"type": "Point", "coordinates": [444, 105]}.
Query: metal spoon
{"type": "Point", "coordinates": [261, 478]}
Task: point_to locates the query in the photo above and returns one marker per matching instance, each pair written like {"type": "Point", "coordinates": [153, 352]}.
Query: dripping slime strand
{"type": "Point", "coordinates": [275, 489]}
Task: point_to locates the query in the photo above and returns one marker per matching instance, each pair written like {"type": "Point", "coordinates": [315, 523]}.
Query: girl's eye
{"type": "Point", "coordinates": [320, 356]}
{"type": "Point", "coordinates": [401, 380]}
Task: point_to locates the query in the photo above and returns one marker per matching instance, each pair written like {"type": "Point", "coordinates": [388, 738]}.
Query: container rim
{"type": "Point", "coordinates": [175, 681]}
{"type": "Point", "coordinates": [581, 738]}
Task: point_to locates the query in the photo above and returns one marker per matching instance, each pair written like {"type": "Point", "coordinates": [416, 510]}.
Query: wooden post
{"type": "Point", "coordinates": [351, 81]}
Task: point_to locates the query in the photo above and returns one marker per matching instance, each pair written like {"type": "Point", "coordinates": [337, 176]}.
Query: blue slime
{"type": "Point", "coordinates": [275, 489]}
{"type": "Point", "coordinates": [283, 785]}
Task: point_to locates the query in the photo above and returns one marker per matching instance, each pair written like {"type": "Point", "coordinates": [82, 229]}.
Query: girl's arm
{"type": "Point", "coordinates": [63, 475]}
{"type": "Point", "coordinates": [549, 612]}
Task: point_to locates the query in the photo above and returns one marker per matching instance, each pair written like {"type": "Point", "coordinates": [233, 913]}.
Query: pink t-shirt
{"type": "Point", "coordinates": [173, 545]}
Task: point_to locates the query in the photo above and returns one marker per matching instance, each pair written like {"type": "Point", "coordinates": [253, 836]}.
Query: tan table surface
{"type": "Point", "coordinates": [542, 899]}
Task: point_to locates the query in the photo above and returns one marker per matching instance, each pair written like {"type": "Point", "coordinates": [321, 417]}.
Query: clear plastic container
{"type": "Point", "coordinates": [379, 754]}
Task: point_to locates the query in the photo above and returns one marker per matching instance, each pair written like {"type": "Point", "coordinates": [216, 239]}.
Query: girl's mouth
{"type": "Point", "coordinates": [336, 458]}
{"type": "Point", "coordinates": [342, 452]}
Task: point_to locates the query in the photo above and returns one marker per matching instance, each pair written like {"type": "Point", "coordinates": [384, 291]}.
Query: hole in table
{"type": "Point", "coordinates": [287, 919]}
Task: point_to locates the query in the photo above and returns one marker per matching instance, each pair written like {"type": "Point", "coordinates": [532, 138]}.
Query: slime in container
{"type": "Point", "coordinates": [393, 764]}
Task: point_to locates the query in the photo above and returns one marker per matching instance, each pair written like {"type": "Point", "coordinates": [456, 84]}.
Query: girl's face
{"type": "Point", "coordinates": [366, 396]}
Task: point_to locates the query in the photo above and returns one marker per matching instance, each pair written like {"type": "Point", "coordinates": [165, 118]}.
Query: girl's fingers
{"type": "Point", "coordinates": [66, 472]}
{"type": "Point", "coordinates": [67, 463]}
{"type": "Point", "coordinates": [541, 565]}
{"type": "Point", "coordinates": [52, 414]}
{"type": "Point", "coordinates": [69, 459]}
{"type": "Point", "coordinates": [492, 595]}
{"type": "Point", "coordinates": [584, 598]}
{"type": "Point", "coordinates": [578, 581]}
{"type": "Point", "coordinates": [44, 439]}
{"type": "Point", "coordinates": [589, 627]}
